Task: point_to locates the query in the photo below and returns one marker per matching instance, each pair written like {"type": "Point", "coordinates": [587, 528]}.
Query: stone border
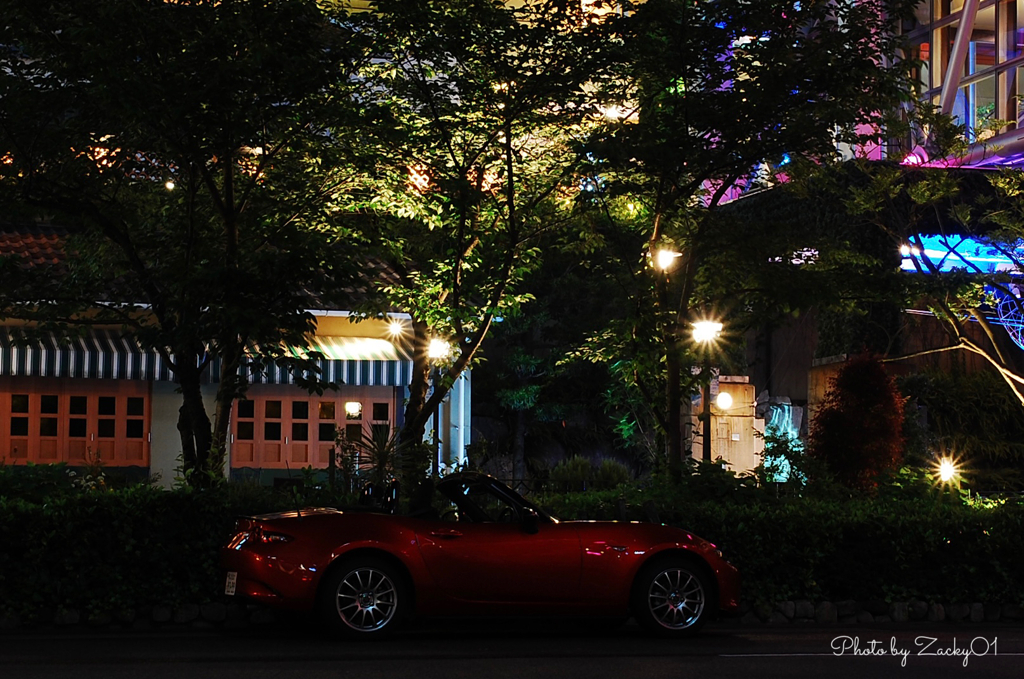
{"type": "Point", "coordinates": [235, 615]}
{"type": "Point", "coordinates": [211, 615]}
{"type": "Point", "coordinates": [850, 612]}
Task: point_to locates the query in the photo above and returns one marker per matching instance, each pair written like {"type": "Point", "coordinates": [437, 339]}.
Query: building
{"type": "Point", "coordinates": [100, 396]}
{"type": "Point", "coordinates": [972, 53]}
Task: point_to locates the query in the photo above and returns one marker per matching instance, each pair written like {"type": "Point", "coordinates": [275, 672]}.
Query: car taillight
{"type": "Point", "coordinates": [267, 537]}
{"type": "Point", "coordinates": [237, 541]}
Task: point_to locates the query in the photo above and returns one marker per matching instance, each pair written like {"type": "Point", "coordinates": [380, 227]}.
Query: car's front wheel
{"type": "Point", "coordinates": [672, 597]}
{"type": "Point", "coordinates": [364, 597]}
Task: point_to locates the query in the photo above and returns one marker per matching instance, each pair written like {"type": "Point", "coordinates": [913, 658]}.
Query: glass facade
{"type": "Point", "coordinates": [977, 80]}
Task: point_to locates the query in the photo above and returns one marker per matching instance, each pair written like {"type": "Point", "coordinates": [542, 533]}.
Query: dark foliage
{"type": "Point", "coordinates": [858, 431]}
{"type": "Point", "coordinates": [908, 542]}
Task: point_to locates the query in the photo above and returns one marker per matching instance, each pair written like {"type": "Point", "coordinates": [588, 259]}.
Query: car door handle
{"type": "Point", "coordinates": [447, 534]}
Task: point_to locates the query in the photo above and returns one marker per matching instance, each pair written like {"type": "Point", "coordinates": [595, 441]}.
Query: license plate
{"type": "Point", "coordinates": [229, 586]}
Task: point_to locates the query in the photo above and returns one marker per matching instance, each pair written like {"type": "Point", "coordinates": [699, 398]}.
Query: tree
{"type": "Point", "coordinates": [185, 148]}
{"type": "Point", "coordinates": [479, 108]}
{"type": "Point", "coordinates": [709, 99]}
{"type": "Point", "coordinates": [857, 432]}
{"type": "Point", "coordinates": [954, 208]}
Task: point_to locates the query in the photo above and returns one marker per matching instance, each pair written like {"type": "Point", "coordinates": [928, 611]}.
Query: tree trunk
{"type": "Point", "coordinates": [673, 404]}
{"type": "Point", "coordinates": [414, 426]}
{"type": "Point", "coordinates": [519, 445]}
{"type": "Point", "coordinates": [193, 422]}
{"type": "Point", "coordinates": [415, 455]}
{"type": "Point", "coordinates": [227, 391]}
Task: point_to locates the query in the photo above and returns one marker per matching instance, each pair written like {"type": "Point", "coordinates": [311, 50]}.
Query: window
{"type": "Point", "coordinates": [275, 428]}
{"type": "Point", "coordinates": [108, 405]}
{"type": "Point", "coordinates": [246, 409]}
{"type": "Point", "coordinates": [326, 432]}
{"type": "Point", "coordinates": [19, 426]}
{"type": "Point", "coordinates": [72, 420]}
{"type": "Point", "coordinates": [246, 430]}
{"type": "Point", "coordinates": [48, 403]}
{"type": "Point", "coordinates": [79, 405]}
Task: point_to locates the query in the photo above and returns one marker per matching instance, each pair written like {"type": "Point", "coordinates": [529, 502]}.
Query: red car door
{"type": "Point", "coordinates": [500, 563]}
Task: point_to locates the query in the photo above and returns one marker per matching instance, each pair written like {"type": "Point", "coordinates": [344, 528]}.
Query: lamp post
{"type": "Point", "coordinates": [437, 351]}
{"type": "Point", "coordinates": [664, 260]}
{"type": "Point", "coordinates": [705, 333]}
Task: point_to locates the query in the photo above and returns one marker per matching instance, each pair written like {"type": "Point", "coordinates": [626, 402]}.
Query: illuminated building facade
{"type": "Point", "coordinates": [972, 54]}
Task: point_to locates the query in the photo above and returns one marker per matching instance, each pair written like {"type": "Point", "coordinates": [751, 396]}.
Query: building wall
{"type": "Point", "coordinates": [736, 432]}
{"type": "Point", "coordinates": [165, 455]}
{"type": "Point", "coordinates": [102, 397]}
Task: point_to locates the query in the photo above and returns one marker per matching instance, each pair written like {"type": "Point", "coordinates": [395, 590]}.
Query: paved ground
{"type": "Point", "coordinates": [485, 649]}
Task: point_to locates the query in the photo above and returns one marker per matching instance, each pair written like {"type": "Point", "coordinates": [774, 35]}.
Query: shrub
{"type": "Point", "coordinates": [932, 547]}
{"type": "Point", "coordinates": [125, 548]}
{"type": "Point", "coordinates": [610, 474]}
{"type": "Point", "coordinates": [858, 431]}
{"type": "Point", "coordinates": [572, 474]}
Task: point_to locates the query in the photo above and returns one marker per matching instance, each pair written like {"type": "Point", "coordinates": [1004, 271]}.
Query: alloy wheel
{"type": "Point", "coordinates": [366, 599]}
{"type": "Point", "coordinates": [676, 598]}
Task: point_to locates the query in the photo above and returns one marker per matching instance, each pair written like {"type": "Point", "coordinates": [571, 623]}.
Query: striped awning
{"type": "Point", "coordinates": [358, 361]}
{"type": "Point", "coordinates": [110, 354]}
{"type": "Point", "coordinates": [101, 354]}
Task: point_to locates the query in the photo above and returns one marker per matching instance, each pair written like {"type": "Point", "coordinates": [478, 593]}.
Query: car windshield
{"type": "Point", "coordinates": [483, 499]}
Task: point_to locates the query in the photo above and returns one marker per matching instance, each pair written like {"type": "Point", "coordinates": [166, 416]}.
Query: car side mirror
{"type": "Point", "coordinates": [530, 521]}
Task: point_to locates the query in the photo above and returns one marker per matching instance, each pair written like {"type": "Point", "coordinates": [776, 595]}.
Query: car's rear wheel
{"type": "Point", "coordinates": [672, 597]}
{"type": "Point", "coordinates": [364, 597]}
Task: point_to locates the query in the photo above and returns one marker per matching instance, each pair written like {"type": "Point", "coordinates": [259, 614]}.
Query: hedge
{"type": "Point", "coordinates": [933, 548]}
{"type": "Point", "coordinates": [110, 551]}
{"type": "Point", "coordinates": [105, 552]}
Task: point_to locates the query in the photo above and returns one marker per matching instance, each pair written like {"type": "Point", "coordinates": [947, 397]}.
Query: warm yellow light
{"type": "Point", "coordinates": [613, 112]}
{"type": "Point", "coordinates": [353, 409]}
{"type": "Point", "coordinates": [947, 470]}
{"type": "Point", "coordinates": [706, 331]}
{"type": "Point", "coordinates": [419, 178]}
{"type": "Point", "coordinates": [438, 349]}
{"type": "Point", "coordinates": [169, 185]}
{"type": "Point", "coordinates": [396, 328]}
{"type": "Point", "coordinates": [663, 259]}
{"type": "Point", "coordinates": [724, 400]}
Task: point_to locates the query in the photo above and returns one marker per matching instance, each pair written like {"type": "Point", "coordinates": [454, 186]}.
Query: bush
{"type": "Point", "coordinates": [572, 474]}
{"type": "Point", "coordinates": [129, 548]}
{"type": "Point", "coordinates": [611, 474]}
{"type": "Point", "coordinates": [893, 547]}
{"type": "Point", "coordinates": [119, 550]}
{"type": "Point", "coordinates": [858, 431]}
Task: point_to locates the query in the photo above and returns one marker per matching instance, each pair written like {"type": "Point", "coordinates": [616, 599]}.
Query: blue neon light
{"type": "Point", "coordinates": [960, 252]}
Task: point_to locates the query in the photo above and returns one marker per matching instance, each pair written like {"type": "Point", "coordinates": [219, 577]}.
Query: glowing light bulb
{"type": "Point", "coordinates": [947, 470]}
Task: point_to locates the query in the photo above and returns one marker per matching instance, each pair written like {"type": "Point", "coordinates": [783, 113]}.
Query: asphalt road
{"type": "Point", "coordinates": [519, 650]}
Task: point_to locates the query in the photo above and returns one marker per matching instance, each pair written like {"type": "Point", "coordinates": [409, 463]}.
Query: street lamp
{"type": "Point", "coordinates": [664, 259]}
{"type": "Point", "coordinates": [948, 471]}
{"type": "Point", "coordinates": [437, 351]}
{"type": "Point", "coordinates": [705, 332]}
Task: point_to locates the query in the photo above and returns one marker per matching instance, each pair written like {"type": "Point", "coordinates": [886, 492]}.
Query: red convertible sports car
{"type": "Point", "coordinates": [483, 550]}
